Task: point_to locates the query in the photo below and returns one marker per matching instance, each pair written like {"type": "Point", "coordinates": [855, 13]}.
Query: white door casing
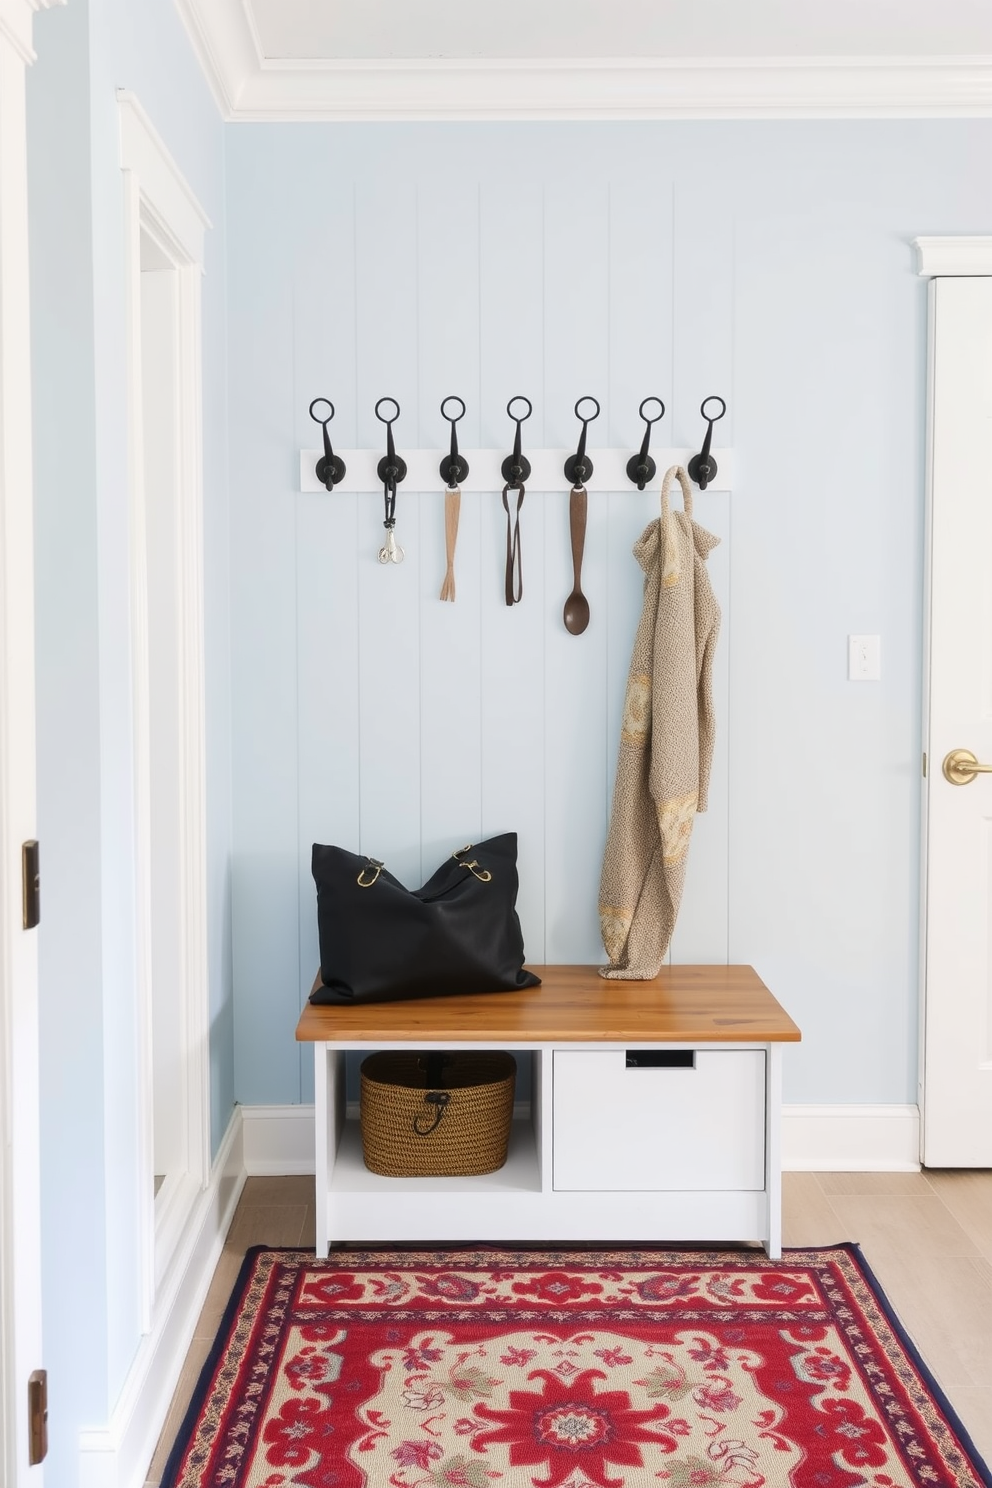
{"type": "Point", "coordinates": [162, 214]}
{"type": "Point", "coordinates": [20, 1206]}
{"type": "Point", "coordinates": [957, 890]}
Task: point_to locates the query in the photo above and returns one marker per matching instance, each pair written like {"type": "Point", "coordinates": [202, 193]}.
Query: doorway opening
{"type": "Point", "coordinates": [167, 648]}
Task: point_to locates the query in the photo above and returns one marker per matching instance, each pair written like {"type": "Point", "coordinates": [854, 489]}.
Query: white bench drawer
{"type": "Point", "coordinates": [652, 1126]}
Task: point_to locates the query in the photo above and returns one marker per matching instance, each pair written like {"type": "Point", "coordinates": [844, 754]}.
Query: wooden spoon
{"type": "Point", "coordinates": [576, 611]}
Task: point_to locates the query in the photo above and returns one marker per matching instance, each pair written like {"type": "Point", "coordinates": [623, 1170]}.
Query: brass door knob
{"type": "Point", "coordinates": [961, 767]}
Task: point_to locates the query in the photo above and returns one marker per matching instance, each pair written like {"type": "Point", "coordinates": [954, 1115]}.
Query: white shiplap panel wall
{"type": "Point", "coordinates": [329, 551]}
{"type": "Point", "coordinates": [424, 725]}
{"type": "Point", "coordinates": [450, 681]}
{"type": "Point", "coordinates": [512, 662]}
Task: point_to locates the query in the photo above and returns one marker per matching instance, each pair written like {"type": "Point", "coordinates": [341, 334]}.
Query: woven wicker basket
{"type": "Point", "coordinates": [405, 1135]}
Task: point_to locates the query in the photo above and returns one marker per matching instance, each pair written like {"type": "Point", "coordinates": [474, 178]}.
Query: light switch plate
{"type": "Point", "coordinates": [864, 658]}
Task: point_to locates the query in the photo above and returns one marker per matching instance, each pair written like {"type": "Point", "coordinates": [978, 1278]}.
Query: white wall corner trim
{"type": "Point", "coordinates": [160, 180]}
{"type": "Point", "coordinates": [15, 23]}
{"type": "Point", "coordinates": [938, 257]}
{"type": "Point", "coordinates": [117, 1455]}
{"type": "Point", "coordinates": [851, 1139]}
{"type": "Point", "coordinates": [842, 1139]}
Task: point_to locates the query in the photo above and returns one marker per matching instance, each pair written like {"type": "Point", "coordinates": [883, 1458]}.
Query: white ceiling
{"type": "Point", "coordinates": [575, 59]}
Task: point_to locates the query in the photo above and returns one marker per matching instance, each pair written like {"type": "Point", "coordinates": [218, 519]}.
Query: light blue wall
{"type": "Point", "coordinates": [770, 263]}
{"type": "Point", "coordinates": [90, 1197]}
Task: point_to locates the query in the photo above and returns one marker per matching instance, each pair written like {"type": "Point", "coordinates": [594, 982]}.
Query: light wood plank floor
{"type": "Point", "coordinates": [927, 1236]}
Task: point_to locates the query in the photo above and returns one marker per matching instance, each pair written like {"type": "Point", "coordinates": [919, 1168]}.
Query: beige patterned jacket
{"type": "Point", "coordinates": [666, 746]}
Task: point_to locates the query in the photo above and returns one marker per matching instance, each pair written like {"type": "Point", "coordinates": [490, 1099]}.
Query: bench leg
{"type": "Point", "coordinates": [773, 1151]}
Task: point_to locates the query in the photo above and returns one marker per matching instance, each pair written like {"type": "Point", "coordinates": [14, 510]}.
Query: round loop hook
{"type": "Point", "coordinates": [453, 468]}
{"type": "Point", "coordinates": [702, 468]}
{"type": "Point", "coordinates": [520, 418]}
{"type": "Point", "coordinates": [587, 418]}
{"type": "Point", "coordinates": [330, 468]}
{"type": "Point", "coordinates": [381, 416]}
{"type": "Point", "coordinates": [659, 415]}
{"type": "Point", "coordinates": [316, 416]}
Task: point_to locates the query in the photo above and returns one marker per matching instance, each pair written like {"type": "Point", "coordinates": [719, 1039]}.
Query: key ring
{"type": "Point", "coordinates": [391, 552]}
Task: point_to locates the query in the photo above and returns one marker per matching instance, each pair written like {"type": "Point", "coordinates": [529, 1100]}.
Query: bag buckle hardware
{"type": "Point", "coordinates": [372, 863]}
{"type": "Point", "coordinates": [483, 875]}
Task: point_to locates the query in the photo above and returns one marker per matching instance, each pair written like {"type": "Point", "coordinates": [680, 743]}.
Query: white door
{"type": "Point", "coordinates": [20, 1277]}
{"type": "Point", "coordinates": [957, 1063]}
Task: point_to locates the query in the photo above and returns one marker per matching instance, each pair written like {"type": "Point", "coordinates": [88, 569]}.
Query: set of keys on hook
{"type": "Point", "coordinates": [391, 470]}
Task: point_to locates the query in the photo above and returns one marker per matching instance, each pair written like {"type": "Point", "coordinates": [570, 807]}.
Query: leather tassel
{"type": "Point", "coordinates": [452, 511]}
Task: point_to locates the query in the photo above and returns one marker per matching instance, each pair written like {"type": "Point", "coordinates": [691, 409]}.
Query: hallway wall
{"type": "Point", "coordinates": [769, 263]}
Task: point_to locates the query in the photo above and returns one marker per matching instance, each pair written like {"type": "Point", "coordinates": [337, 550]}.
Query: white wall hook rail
{"type": "Point", "coordinates": [547, 472]}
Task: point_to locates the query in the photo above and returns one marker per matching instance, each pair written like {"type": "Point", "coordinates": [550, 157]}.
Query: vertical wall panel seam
{"type": "Point", "coordinates": [544, 508]}
{"type": "Point", "coordinates": [296, 674]}
{"type": "Point", "coordinates": [610, 505]}
{"type": "Point", "coordinates": [727, 625]}
{"type": "Point", "coordinates": [420, 526]}
{"type": "Point", "coordinates": [480, 818]}
{"type": "Point", "coordinates": [358, 628]}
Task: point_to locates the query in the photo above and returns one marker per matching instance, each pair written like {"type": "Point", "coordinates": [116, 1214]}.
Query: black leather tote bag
{"type": "Point", "coordinates": [382, 942]}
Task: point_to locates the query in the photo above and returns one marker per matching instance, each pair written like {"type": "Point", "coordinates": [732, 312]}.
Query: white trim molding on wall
{"type": "Point", "coordinates": [16, 24]}
{"type": "Point", "coordinates": [118, 1454]}
{"type": "Point", "coordinates": [279, 1140]}
{"type": "Point", "coordinates": [953, 257]}
{"type": "Point", "coordinates": [159, 205]}
{"type": "Point", "coordinates": [248, 85]}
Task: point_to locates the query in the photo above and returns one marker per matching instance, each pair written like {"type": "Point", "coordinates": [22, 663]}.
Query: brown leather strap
{"type": "Point", "coordinates": [452, 510]}
{"type": "Point", "coordinates": [514, 579]}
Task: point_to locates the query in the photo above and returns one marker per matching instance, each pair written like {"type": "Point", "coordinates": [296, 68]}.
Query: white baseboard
{"type": "Point", "coordinates": [278, 1140]}
{"type": "Point", "coordinates": [851, 1139]}
{"type": "Point", "coordinates": [826, 1139]}
{"type": "Point", "coordinates": [117, 1455]}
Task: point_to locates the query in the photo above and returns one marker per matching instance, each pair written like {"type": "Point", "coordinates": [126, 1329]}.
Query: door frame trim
{"type": "Point", "coordinates": [158, 201]}
{"type": "Point", "coordinates": [965, 256]}
{"type": "Point", "coordinates": [20, 1178]}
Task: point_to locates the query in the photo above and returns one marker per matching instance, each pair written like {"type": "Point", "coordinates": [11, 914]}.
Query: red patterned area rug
{"type": "Point", "coordinates": [566, 1369]}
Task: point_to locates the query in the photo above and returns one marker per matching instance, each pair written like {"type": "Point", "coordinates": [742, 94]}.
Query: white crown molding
{"type": "Point", "coordinates": [939, 257]}
{"type": "Point", "coordinates": [226, 44]}
{"type": "Point", "coordinates": [16, 17]}
{"type": "Point", "coordinates": [627, 89]}
{"type": "Point", "coordinates": [248, 86]}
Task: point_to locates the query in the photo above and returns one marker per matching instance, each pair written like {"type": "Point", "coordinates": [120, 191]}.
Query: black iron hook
{"type": "Point", "coordinates": [330, 468]}
{"type": "Point", "coordinates": [641, 467]}
{"type": "Point", "coordinates": [453, 468]}
{"type": "Point", "coordinates": [578, 467]}
{"type": "Point", "coordinates": [391, 469]}
{"type": "Point", "coordinates": [702, 468]}
{"type": "Point", "coordinates": [515, 469]}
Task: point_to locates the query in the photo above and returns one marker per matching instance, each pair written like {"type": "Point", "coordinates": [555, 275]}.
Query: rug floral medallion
{"type": "Point", "coordinates": [595, 1369]}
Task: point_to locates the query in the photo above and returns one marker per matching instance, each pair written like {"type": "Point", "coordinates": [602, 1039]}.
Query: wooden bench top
{"type": "Point", "coordinates": [683, 1004]}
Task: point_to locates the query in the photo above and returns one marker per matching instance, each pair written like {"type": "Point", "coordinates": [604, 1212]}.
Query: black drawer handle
{"type": "Point", "coordinates": [661, 1059]}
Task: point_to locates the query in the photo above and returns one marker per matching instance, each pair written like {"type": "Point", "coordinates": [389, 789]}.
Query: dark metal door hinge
{"type": "Point", "coordinates": [37, 1417]}
{"type": "Point", "coordinates": [30, 885]}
